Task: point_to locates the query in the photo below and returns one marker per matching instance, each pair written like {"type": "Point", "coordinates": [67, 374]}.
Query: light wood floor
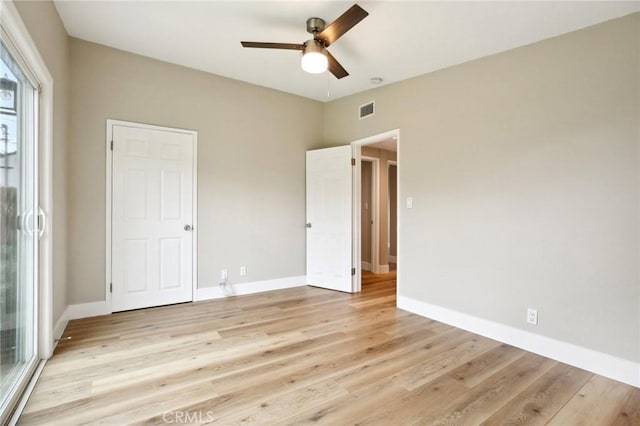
{"type": "Point", "coordinates": [309, 356]}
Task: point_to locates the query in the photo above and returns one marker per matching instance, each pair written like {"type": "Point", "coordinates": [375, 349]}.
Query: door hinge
{"type": "Point", "coordinates": [353, 271]}
{"type": "Point", "coordinates": [353, 161]}
{"type": "Point", "coordinates": [111, 145]}
{"type": "Point", "coordinates": [110, 287]}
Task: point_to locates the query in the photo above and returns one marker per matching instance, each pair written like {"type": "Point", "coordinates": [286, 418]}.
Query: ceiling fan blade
{"type": "Point", "coordinates": [344, 23]}
{"type": "Point", "coordinates": [288, 46]}
{"type": "Point", "coordinates": [335, 68]}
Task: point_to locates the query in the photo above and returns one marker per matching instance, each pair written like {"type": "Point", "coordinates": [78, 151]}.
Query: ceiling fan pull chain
{"type": "Point", "coordinates": [328, 86]}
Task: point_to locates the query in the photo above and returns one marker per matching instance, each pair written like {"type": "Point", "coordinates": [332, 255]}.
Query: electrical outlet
{"type": "Point", "coordinates": [532, 316]}
{"type": "Point", "coordinates": [243, 271]}
{"type": "Point", "coordinates": [409, 202]}
{"type": "Point", "coordinates": [223, 274]}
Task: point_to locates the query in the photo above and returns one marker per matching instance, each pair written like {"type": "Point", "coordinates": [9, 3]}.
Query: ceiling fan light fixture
{"type": "Point", "coordinates": [314, 59]}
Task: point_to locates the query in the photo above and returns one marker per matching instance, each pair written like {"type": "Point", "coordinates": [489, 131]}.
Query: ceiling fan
{"type": "Point", "coordinates": [315, 57]}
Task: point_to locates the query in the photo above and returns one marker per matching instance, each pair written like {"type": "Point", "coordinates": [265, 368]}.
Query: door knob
{"type": "Point", "coordinates": [188, 228]}
{"type": "Point", "coordinates": [308, 225]}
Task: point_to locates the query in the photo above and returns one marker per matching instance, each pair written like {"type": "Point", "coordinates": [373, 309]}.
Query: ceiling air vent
{"type": "Point", "coordinates": [367, 110]}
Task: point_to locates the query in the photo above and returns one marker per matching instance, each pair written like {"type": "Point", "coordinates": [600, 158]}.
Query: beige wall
{"type": "Point", "coordinates": [523, 167]}
{"type": "Point", "coordinates": [251, 168]}
{"type": "Point", "coordinates": [383, 199]}
{"type": "Point", "coordinates": [48, 33]}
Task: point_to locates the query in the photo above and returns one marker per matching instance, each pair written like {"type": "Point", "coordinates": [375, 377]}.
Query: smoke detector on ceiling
{"type": "Point", "coordinates": [376, 80]}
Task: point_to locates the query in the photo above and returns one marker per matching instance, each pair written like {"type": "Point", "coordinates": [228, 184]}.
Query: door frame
{"type": "Point", "coordinates": [17, 38]}
{"type": "Point", "coordinates": [389, 164]}
{"type": "Point", "coordinates": [109, 195]}
{"type": "Point", "coordinates": [357, 194]}
{"type": "Point", "coordinates": [375, 211]}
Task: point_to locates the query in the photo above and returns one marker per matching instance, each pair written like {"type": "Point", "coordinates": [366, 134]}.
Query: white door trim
{"type": "Point", "coordinates": [108, 264]}
{"type": "Point", "coordinates": [375, 211]}
{"type": "Point", "coordinates": [394, 258]}
{"type": "Point", "coordinates": [357, 189]}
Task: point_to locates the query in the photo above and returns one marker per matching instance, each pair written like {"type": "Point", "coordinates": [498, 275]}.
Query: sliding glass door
{"type": "Point", "coordinates": [18, 230]}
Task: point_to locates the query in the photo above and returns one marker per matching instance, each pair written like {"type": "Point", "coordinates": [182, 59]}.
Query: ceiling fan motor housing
{"type": "Point", "coordinates": [313, 45]}
{"type": "Point", "coordinates": [315, 25]}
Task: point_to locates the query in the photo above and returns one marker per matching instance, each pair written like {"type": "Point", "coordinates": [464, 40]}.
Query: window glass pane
{"type": "Point", "coordinates": [18, 230]}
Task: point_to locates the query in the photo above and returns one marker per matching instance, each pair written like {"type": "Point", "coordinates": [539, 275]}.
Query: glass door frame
{"type": "Point", "coordinates": [15, 36]}
{"type": "Point", "coordinates": [25, 175]}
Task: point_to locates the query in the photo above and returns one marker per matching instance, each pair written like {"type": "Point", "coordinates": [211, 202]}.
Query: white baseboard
{"type": "Point", "coordinates": [61, 324]}
{"type": "Point", "coordinates": [208, 293]}
{"type": "Point", "coordinates": [366, 266]}
{"type": "Point", "coordinates": [597, 362]}
{"type": "Point", "coordinates": [86, 310]}
{"type": "Point", "coordinates": [82, 310]}
{"type": "Point", "coordinates": [93, 309]}
{"type": "Point", "coordinates": [392, 259]}
{"type": "Point", "coordinates": [382, 269]}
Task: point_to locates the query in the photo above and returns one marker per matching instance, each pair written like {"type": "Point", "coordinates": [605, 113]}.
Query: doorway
{"type": "Point", "coordinates": [334, 214]}
{"type": "Point", "coordinates": [379, 153]}
{"type": "Point", "coordinates": [369, 212]}
{"type": "Point", "coordinates": [152, 204]}
{"type": "Point", "coordinates": [392, 226]}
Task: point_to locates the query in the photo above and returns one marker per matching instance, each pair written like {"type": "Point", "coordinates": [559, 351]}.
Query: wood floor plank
{"type": "Point", "coordinates": [125, 352]}
{"type": "Point", "coordinates": [540, 401]}
{"type": "Point", "coordinates": [271, 410]}
{"type": "Point", "coordinates": [218, 348]}
{"type": "Point", "coordinates": [349, 409]}
{"type": "Point", "coordinates": [395, 363]}
{"type": "Point", "coordinates": [307, 355]}
{"type": "Point", "coordinates": [598, 402]}
{"type": "Point", "coordinates": [480, 368]}
{"type": "Point", "coordinates": [436, 365]}
{"type": "Point", "coordinates": [629, 414]}
{"type": "Point", "coordinates": [222, 361]}
{"type": "Point", "coordinates": [408, 407]}
{"type": "Point", "coordinates": [485, 399]}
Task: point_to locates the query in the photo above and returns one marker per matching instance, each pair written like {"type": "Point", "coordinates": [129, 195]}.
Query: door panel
{"type": "Point", "coordinates": [329, 215]}
{"type": "Point", "coordinates": [152, 197]}
{"type": "Point", "coordinates": [136, 188]}
{"type": "Point", "coordinates": [135, 265]}
{"type": "Point", "coordinates": [170, 261]}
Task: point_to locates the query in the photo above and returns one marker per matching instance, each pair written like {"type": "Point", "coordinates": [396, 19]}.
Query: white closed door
{"type": "Point", "coordinates": [329, 218]}
{"type": "Point", "coordinates": [152, 217]}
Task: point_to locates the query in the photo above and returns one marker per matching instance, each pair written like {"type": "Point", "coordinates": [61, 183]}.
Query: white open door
{"type": "Point", "coordinates": [329, 218]}
{"type": "Point", "coordinates": [152, 217]}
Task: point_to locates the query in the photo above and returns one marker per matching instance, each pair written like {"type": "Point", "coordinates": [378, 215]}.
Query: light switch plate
{"type": "Point", "coordinates": [409, 202]}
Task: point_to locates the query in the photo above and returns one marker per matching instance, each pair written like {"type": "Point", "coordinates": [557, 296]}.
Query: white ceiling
{"type": "Point", "coordinates": [398, 40]}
